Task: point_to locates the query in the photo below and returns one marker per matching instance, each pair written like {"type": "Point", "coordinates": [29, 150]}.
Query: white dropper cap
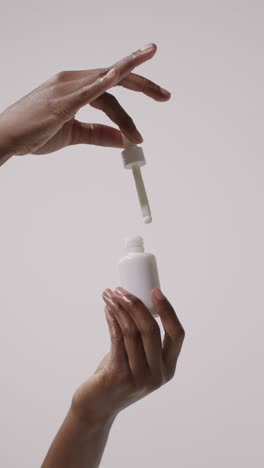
{"type": "Point", "coordinates": [133, 158]}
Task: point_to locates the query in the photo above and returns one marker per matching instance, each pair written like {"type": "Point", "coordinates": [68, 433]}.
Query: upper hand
{"type": "Point", "coordinates": [138, 362]}
{"type": "Point", "coordinates": [44, 120]}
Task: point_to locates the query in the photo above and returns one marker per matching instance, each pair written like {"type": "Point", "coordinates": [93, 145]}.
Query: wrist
{"type": "Point", "coordinates": [89, 417]}
{"type": "Point", "coordinates": [86, 426]}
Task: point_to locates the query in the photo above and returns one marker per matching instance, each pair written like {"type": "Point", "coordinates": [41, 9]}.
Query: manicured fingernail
{"type": "Point", "coordinates": [158, 294]}
{"type": "Point", "coordinates": [165, 92]}
{"type": "Point", "coordinates": [111, 302]}
{"type": "Point", "coordinates": [107, 293]}
{"type": "Point", "coordinates": [137, 136]}
{"type": "Point", "coordinates": [120, 291]}
{"type": "Point", "coordinates": [147, 48]}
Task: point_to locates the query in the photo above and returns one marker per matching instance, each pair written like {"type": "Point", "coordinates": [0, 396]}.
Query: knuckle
{"type": "Point", "coordinates": [102, 72]}
{"type": "Point", "coordinates": [170, 374]}
{"type": "Point", "coordinates": [134, 55]}
{"type": "Point", "coordinates": [182, 333]}
{"type": "Point", "coordinates": [179, 333]}
{"type": "Point", "coordinates": [61, 76]}
{"type": "Point", "coordinates": [157, 381]}
{"type": "Point", "coordinates": [134, 300]}
{"type": "Point", "coordinates": [130, 331]}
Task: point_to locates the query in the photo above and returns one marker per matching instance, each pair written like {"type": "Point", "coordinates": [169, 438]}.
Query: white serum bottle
{"type": "Point", "coordinates": [138, 272]}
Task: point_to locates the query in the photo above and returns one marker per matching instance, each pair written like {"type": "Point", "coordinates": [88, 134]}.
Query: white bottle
{"type": "Point", "coordinates": [138, 272]}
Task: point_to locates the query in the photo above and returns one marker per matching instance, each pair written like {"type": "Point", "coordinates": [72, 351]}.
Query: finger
{"type": "Point", "coordinates": [73, 75]}
{"type": "Point", "coordinates": [143, 85]}
{"type": "Point", "coordinates": [111, 107]}
{"type": "Point", "coordinates": [81, 76]}
{"type": "Point", "coordinates": [118, 350]}
{"type": "Point", "coordinates": [95, 134]}
{"type": "Point", "coordinates": [66, 82]}
{"type": "Point", "coordinates": [147, 326]}
{"type": "Point", "coordinates": [89, 92]}
{"type": "Point", "coordinates": [174, 332]}
{"type": "Point", "coordinates": [127, 64]}
{"type": "Point", "coordinates": [69, 81]}
{"type": "Point", "coordinates": [132, 339]}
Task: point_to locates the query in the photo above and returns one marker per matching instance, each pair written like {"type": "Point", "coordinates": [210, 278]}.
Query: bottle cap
{"type": "Point", "coordinates": [133, 155]}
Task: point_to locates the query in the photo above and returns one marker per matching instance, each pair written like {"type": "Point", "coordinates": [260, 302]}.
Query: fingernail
{"type": "Point", "coordinates": [111, 302]}
{"type": "Point", "coordinates": [147, 48]}
{"type": "Point", "coordinates": [165, 92]}
{"type": "Point", "coordinates": [158, 294]}
{"type": "Point", "coordinates": [120, 291]}
{"type": "Point", "coordinates": [137, 136]}
{"type": "Point", "coordinates": [107, 293]}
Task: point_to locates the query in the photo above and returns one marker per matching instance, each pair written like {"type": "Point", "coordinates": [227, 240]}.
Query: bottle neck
{"type": "Point", "coordinates": [135, 250]}
{"type": "Point", "coordinates": [135, 245]}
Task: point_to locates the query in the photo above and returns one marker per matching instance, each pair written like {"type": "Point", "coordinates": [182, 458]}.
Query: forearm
{"type": "Point", "coordinates": [78, 444]}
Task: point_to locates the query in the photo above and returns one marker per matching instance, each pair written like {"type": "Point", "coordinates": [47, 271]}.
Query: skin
{"type": "Point", "coordinates": [44, 120]}
{"type": "Point", "coordinates": [138, 363]}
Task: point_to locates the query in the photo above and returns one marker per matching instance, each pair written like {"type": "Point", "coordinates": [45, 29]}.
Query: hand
{"type": "Point", "coordinates": [43, 121]}
{"type": "Point", "coordinates": [138, 362]}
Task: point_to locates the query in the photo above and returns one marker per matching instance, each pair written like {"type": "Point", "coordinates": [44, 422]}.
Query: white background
{"type": "Point", "coordinates": [64, 218]}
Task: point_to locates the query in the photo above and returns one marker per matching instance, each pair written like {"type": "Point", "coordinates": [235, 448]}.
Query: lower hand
{"type": "Point", "coordinates": [138, 362]}
{"type": "Point", "coordinates": [44, 120]}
